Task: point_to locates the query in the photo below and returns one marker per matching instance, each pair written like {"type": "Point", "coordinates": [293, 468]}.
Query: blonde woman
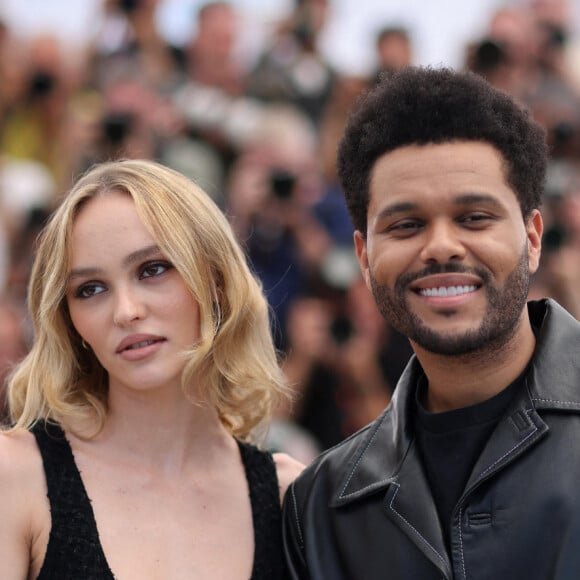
{"type": "Point", "coordinates": [151, 372]}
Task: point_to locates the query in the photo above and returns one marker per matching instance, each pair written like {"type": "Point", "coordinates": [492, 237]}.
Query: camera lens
{"type": "Point", "coordinates": [116, 127]}
{"type": "Point", "coordinates": [282, 184]}
{"type": "Point", "coordinates": [488, 55]}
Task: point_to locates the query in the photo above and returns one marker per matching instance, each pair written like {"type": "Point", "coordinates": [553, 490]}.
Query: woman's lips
{"type": "Point", "coordinates": [137, 344]}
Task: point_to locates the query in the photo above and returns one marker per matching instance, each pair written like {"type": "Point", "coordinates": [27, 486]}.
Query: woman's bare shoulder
{"type": "Point", "coordinates": [24, 515]}
{"type": "Point", "coordinates": [18, 451]}
{"type": "Point", "coordinates": [21, 467]}
{"type": "Point", "coordinates": [288, 470]}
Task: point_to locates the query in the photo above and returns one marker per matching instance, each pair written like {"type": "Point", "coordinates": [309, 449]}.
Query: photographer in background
{"type": "Point", "coordinates": [13, 345]}
{"type": "Point", "coordinates": [559, 272]}
{"type": "Point", "coordinates": [506, 56]}
{"type": "Point", "coordinates": [32, 125]}
{"type": "Point", "coordinates": [128, 40]}
{"type": "Point", "coordinates": [292, 69]}
{"type": "Point", "coordinates": [272, 189]}
{"type": "Point", "coordinates": [523, 54]}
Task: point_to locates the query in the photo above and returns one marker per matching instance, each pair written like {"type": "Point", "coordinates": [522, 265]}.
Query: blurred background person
{"type": "Point", "coordinates": [559, 274]}
{"type": "Point", "coordinates": [394, 49]}
{"type": "Point", "coordinates": [291, 67]}
{"type": "Point", "coordinates": [249, 99]}
{"type": "Point", "coordinates": [14, 344]}
{"type": "Point", "coordinates": [273, 187]}
{"type": "Point", "coordinates": [128, 39]}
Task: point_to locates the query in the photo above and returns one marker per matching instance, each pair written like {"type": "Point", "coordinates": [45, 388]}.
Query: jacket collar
{"type": "Point", "coordinates": [555, 370]}
{"type": "Point", "coordinates": [375, 457]}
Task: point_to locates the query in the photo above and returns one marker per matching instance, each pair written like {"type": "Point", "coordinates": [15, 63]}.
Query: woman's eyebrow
{"type": "Point", "coordinates": [129, 260]}
{"type": "Point", "coordinates": [141, 254]}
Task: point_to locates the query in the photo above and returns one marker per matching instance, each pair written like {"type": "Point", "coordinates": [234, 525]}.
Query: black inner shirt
{"type": "Point", "coordinates": [451, 442]}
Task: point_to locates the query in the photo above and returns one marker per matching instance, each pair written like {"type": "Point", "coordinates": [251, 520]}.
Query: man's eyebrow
{"type": "Point", "coordinates": [464, 199]}
{"type": "Point", "coordinates": [472, 198]}
{"type": "Point", "coordinates": [132, 258]}
{"type": "Point", "coordinates": [396, 208]}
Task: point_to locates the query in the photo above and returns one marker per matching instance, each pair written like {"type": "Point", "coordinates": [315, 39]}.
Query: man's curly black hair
{"type": "Point", "coordinates": [421, 105]}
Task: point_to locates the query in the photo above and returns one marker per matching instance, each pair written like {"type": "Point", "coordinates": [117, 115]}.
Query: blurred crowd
{"type": "Point", "coordinates": [261, 139]}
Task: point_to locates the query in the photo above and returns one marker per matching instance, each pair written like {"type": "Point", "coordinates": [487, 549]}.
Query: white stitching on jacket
{"type": "Point", "coordinates": [528, 411]}
{"type": "Point", "coordinates": [295, 505]}
{"type": "Point", "coordinates": [569, 403]}
{"type": "Point", "coordinates": [411, 526]}
{"type": "Point", "coordinates": [346, 484]}
{"type": "Point", "coordinates": [515, 446]}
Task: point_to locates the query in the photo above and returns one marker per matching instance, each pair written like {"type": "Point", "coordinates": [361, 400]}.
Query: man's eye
{"type": "Point", "coordinates": [404, 227]}
{"type": "Point", "coordinates": [475, 218]}
{"type": "Point", "coordinates": [88, 290]}
{"type": "Point", "coordinates": [154, 269]}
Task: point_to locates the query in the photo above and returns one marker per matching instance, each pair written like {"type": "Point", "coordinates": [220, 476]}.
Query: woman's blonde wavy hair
{"type": "Point", "coordinates": [234, 366]}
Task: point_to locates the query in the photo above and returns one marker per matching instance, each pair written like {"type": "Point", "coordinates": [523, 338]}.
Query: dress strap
{"type": "Point", "coordinates": [266, 512]}
{"type": "Point", "coordinates": [74, 550]}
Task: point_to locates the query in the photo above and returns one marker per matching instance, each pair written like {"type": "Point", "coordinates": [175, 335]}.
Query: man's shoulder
{"type": "Point", "coordinates": [333, 467]}
{"type": "Point", "coordinates": [554, 377]}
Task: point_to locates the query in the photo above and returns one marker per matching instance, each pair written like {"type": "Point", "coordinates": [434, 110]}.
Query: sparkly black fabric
{"type": "Point", "coordinates": [74, 551]}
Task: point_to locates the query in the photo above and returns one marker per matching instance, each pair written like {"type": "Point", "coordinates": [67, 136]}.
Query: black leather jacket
{"type": "Point", "coordinates": [363, 510]}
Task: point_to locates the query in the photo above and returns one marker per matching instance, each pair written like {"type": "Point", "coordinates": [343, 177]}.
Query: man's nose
{"type": "Point", "coordinates": [442, 243]}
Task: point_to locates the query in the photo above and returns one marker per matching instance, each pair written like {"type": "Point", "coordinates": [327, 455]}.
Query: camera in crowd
{"type": "Point", "coordinates": [282, 184]}
{"type": "Point", "coordinates": [117, 126]}
{"type": "Point", "coordinates": [41, 84]}
{"type": "Point", "coordinates": [341, 329]}
{"type": "Point", "coordinates": [128, 6]}
{"type": "Point", "coordinates": [488, 55]}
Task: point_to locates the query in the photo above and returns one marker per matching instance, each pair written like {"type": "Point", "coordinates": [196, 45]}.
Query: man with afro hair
{"type": "Point", "coordinates": [472, 472]}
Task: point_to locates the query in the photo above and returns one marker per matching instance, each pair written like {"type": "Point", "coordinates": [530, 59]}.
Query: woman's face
{"type": "Point", "coordinates": [126, 300]}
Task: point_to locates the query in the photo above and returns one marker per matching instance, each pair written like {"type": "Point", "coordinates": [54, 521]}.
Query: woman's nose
{"type": "Point", "coordinates": [129, 307]}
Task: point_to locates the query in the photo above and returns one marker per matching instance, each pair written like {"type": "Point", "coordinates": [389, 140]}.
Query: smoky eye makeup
{"type": "Point", "coordinates": [88, 290]}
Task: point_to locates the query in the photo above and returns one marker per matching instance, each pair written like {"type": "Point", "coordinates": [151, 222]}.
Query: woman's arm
{"type": "Point", "coordinates": [24, 513]}
{"type": "Point", "coordinates": [288, 470]}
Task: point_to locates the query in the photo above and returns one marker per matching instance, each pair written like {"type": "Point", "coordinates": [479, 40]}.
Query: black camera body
{"type": "Point", "coordinates": [282, 184]}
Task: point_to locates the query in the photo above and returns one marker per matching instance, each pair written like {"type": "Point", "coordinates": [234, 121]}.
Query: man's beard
{"type": "Point", "coordinates": [500, 320]}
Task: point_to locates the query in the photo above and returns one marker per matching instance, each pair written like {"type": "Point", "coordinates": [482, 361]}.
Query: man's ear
{"type": "Point", "coordinates": [360, 247]}
{"type": "Point", "coordinates": [534, 231]}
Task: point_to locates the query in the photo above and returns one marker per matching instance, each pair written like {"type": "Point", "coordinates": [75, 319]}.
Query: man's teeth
{"type": "Point", "coordinates": [447, 290]}
{"type": "Point", "coordinates": [140, 344]}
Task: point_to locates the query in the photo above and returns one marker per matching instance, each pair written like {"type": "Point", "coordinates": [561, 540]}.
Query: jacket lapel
{"type": "Point", "coordinates": [410, 505]}
{"type": "Point", "coordinates": [513, 435]}
{"type": "Point", "coordinates": [550, 384]}
{"type": "Point", "coordinates": [387, 459]}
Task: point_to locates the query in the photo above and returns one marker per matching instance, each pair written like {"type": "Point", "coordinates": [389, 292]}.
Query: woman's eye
{"type": "Point", "coordinates": [154, 269]}
{"type": "Point", "coordinates": [88, 290]}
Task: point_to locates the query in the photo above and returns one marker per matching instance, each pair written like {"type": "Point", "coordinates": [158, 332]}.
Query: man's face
{"type": "Point", "coordinates": [448, 255]}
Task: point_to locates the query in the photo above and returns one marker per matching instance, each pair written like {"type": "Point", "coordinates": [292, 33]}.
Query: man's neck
{"type": "Point", "coordinates": [460, 381]}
